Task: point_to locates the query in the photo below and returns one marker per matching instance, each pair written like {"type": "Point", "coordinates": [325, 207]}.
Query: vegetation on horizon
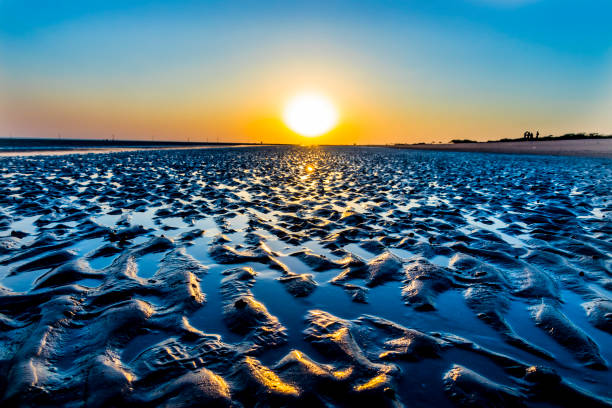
{"type": "Point", "coordinates": [567, 136]}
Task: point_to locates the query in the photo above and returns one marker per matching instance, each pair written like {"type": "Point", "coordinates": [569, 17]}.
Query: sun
{"type": "Point", "coordinates": [310, 114]}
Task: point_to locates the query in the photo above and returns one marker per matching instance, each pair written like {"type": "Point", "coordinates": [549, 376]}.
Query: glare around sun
{"type": "Point", "coordinates": [310, 114]}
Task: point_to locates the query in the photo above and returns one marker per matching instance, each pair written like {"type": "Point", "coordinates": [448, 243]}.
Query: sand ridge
{"type": "Point", "coordinates": [305, 276]}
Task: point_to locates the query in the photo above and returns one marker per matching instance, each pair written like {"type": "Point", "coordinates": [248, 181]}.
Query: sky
{"type": "Point", "coordinates": [397, 71]}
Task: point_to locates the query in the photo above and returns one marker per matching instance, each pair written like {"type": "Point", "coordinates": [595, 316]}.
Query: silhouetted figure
{"type": "Point", "coordinates": [537, 134]}
{"type": "Point", "coordinates": [526, 135]}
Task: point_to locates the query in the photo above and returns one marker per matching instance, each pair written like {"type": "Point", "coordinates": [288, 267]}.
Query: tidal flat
{"type": "Point", "coordinates": [305, 277]}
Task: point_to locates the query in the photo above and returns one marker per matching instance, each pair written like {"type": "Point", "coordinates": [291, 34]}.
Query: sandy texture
{"type": "Point", "coordinates": [305, 277]}
{"type": "Point", "coordinates": [586, 148]}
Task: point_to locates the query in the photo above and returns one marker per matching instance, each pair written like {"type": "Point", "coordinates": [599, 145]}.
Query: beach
{"type": "Point", "coordinates": [583, 147]}
{"type": "Point", "coordinates": [307, 276]}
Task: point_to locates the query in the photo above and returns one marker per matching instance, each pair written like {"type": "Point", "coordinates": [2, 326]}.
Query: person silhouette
{"type": "Point", "coordinates": [537, 134]}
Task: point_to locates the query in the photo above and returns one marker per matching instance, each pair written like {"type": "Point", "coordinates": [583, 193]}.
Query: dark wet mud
{"type": "Point", "coordinates": [280, 276]}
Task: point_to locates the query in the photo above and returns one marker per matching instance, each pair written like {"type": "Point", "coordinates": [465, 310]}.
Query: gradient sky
{"type": "Point", "coordinates": [398, 71]}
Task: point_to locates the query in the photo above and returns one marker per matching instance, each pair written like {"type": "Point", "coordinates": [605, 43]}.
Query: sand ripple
{"type": "Point", "coordinates": [241, 277]}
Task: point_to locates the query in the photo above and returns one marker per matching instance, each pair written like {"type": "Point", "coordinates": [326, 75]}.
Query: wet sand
{"type": "Point", "coordinates": [586, 147]}
{"type": "Point", "coordinates": [305, 277]}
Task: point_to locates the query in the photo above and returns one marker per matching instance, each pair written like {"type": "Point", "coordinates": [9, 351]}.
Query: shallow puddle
{"type": "Point", "coordinates": [405, 276]}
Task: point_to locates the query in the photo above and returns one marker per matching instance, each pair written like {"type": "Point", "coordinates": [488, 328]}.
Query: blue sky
{"type": "Point", "coordinates": [408, 71]}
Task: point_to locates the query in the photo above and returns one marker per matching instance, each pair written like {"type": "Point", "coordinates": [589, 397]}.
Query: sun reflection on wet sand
{"type": "Point", "coordinates": [341, 273]}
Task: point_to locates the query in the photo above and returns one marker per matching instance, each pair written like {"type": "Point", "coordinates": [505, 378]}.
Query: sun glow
{"type": "Point", "coordinates": [310, 114]}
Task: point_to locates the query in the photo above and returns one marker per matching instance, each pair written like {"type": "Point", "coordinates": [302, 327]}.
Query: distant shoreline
{"type": "Point", "coordinates": [587, 147]}
{"type": "Point", "coordinates": [25, 144]}
{"type": "Point", "coordinates": [13, 147]}
{"type": "Point", "coordinates": [601, 147]}
{"type": "Point", "coordinates": [102, 150]}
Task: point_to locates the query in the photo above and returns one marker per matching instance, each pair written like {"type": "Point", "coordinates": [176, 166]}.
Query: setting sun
{"type": "Point", "coordinates": [310, 114]}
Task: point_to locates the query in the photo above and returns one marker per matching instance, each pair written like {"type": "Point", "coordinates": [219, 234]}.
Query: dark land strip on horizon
{"type": "Point", "coordinates": [588, 147]}
{"type": "Point", "coordinates": [27, 144]}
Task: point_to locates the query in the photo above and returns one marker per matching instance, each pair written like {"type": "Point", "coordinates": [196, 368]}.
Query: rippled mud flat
{"type": "Point", "coordinates": [305, 277]}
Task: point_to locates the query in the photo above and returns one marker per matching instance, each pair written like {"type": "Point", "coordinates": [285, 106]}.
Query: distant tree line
{"type": "Point", "coordinates": [567, 136]}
